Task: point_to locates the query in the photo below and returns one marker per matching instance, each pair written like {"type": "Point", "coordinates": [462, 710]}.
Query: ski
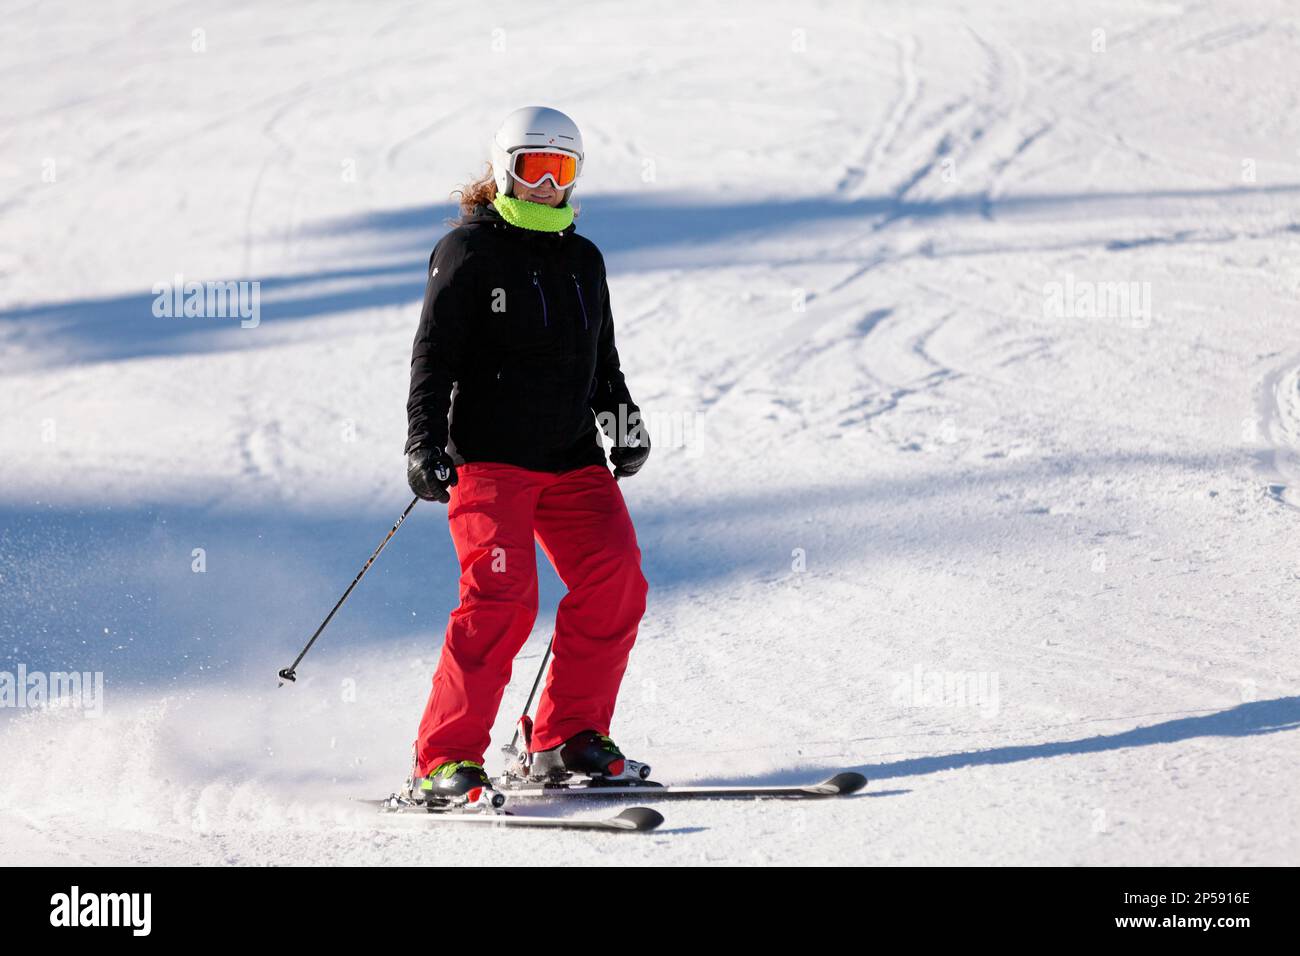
{"type": "Point", "coordinates": [840, 785]}
{"type": "Point", "coordinates": [631, 820]}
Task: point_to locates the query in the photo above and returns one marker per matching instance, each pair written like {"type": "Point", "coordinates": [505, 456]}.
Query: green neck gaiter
{"type": "Point", "coordinates": [534, 215]}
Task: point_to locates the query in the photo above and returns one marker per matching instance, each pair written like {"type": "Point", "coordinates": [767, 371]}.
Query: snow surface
{"type": "Point", "coordinates": [923, 475]}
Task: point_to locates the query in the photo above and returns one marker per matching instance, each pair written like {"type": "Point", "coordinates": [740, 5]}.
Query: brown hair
{"type": "Point", "coordinates": [481, 191]}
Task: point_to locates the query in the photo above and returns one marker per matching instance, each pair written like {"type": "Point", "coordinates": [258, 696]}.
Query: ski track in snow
{"type": "Point", "coordinates": [1279, 431]}
{"type": "Point", "coordinates": [904, 474]}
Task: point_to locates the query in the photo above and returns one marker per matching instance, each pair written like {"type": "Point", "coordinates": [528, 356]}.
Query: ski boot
{"type": "Point", "coordinates": [455, 785]}
{"type": "Point", "coordinates": [589, 755]}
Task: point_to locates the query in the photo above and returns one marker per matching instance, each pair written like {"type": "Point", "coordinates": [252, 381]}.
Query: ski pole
{"type": "Point", "coordinates": [512, 749]}
{"type": "Point", "coordinates": [289, 673]}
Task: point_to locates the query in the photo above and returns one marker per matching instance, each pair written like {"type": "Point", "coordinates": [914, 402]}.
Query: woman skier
{"type": "Point", "coordinates": [516, 342]}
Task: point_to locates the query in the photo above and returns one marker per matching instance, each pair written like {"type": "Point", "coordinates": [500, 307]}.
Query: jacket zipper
{"type": "Point", "coordinates": [541, 295]}
{"type": "Point", "coordinates": [578, 285]}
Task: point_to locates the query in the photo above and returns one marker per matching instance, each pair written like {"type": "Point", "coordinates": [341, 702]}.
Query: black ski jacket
{"type": "Point", "coordinates": [519, 322]}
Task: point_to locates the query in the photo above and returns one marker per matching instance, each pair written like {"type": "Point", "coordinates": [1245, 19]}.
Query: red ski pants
{"type": "Point", "coordinates": [582, 524]}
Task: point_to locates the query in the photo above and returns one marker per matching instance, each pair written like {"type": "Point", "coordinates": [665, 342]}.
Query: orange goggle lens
{"type": "Point", "coordinates": [532, 168]}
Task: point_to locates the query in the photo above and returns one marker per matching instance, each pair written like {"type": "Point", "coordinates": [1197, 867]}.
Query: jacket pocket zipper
{"type": "Point", "coordinates": [541, 295]}
{"type": "Point", "coordinates": [578, 285]}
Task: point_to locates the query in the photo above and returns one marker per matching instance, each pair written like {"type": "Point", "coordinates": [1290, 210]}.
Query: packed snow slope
{"type": "Point", "coordinates": [968, 332]}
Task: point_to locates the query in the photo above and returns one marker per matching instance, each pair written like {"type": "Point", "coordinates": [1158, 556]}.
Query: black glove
{"type": "Point", "coordinates": [629, 455]}
{"type": "Point", "coordinates": [430, 472]}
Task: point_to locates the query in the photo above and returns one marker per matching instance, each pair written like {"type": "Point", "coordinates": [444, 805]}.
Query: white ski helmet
{"type": "Point", "coordinates": [535, 126]}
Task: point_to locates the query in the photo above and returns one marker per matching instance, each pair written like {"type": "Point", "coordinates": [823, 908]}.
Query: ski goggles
{"type": "Point", "coordinates": [531, 166]}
